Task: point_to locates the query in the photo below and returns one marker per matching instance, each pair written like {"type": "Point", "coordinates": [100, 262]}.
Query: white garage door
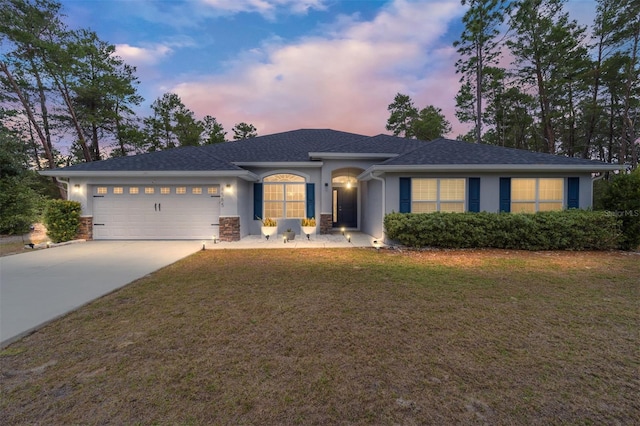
{"type": "Point", "coordinates": [156, 212]}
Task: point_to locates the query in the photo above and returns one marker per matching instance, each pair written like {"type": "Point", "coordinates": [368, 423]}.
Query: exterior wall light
{"type": "Point", "coordinates": [76, 188]}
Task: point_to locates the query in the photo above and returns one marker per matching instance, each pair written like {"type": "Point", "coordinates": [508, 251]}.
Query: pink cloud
{"type": "Point", "coordinates": [342, 81]}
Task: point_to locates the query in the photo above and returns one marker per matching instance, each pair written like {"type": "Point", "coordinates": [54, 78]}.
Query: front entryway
{"type": "Point", "coordinates": [345, 207]}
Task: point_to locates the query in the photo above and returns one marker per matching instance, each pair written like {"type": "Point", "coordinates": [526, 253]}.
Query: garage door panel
{"type": "Point", "coordinates": [156, 216]}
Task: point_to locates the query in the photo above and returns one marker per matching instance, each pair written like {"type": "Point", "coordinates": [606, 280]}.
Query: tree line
{"type": "Point", "coordinates": [59, 85]}
{"type": "Point", "coordinates": [531, 78]}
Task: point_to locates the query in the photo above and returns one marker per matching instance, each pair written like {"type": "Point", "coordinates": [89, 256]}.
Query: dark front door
{"type": "Point", "coordinates": [345, 207]}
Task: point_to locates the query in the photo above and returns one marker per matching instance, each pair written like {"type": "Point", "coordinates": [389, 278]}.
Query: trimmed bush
{"type": "Point", "coordinates": [62, 219]}
{"type": "Point", "coordinates": [562, 230]}
{"type": "Point", "coordinates": [621, 198]}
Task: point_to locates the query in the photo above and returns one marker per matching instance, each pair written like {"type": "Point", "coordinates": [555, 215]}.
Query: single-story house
{"type": "Point", "coordinates": [341, 179]}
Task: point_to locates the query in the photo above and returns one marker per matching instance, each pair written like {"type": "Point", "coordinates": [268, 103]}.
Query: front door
{"type": "Point", "coordinates": [345, 207]}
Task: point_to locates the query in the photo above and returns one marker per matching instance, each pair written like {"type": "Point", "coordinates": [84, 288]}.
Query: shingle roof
{"type": "Point", "coordinates": [295, 146]}
{"type": "Point", "coordinates": [450, 152]}
{"type": "Point", "coordinates": [291, 146]}
{"type": "Point", "coordinates": [183, 159]}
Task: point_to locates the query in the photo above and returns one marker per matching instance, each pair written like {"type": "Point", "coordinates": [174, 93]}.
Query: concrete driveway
{"type": "Point", "coordinates": [37, 287]}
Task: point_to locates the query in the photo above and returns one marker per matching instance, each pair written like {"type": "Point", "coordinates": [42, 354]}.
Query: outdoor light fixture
{"type": "Point", "coordinates": [203, 243]}
{"type": "Point", "coordinates": [284, 239]}
{"type": "Point", "coordinates": [349, 238]}
{"type": "Point", "coordinates": [76, 188]}
{"type": "Point", "coordinates": [227, 188]}
{"type": "Point", "coordinates": [215, 239]}
{"type": "Point", "coordinates": [376, 244]}
{"type": "Point", "coordinates": [342, 229]}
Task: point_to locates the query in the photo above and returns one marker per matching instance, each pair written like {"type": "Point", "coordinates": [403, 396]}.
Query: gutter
{"type": "Point", "coordinates": [384, 204]}
{"type": "Point", "coordinates": [243, 174]}
{"type": "Point", "coordinates": [495, 168]}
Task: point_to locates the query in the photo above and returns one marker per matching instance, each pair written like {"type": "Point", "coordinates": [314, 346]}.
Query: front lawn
{"type": "Point", "coordinates": [343, 337]}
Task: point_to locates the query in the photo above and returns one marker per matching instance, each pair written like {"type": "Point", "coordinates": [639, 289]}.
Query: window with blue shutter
{"type": "Point", "coordinates": [405, 195]}
{"type": "Point", "coordinates": [573, 195]}
{"type": "Point", "coordinates": [505, 195]}
{"type": "Point", "coordinates": [257, 201]}
{"type": "Point", "coordinates": [474, 195]}
{"type": "Point", "coordinates": [311, 200]}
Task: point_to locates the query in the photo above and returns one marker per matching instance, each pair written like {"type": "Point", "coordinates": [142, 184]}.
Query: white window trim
{"type": "Point", "coordinates": [537, 201]}
{"type": "Point", "coordinates": [284, 201]}
{"type": "Point", "coordinates": [438, 201]}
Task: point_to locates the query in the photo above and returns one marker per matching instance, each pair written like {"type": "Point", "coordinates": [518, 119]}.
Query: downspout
{"type": "Point", "coordinates": [593, 180]}
{"type": "Point", "coordinates": [66, 183]}
{"type": "Point", "coordinates": [384, 204]}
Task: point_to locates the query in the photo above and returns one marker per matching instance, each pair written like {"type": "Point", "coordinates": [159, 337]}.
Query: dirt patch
{"type": "Point", "coordinates": [11, 244]}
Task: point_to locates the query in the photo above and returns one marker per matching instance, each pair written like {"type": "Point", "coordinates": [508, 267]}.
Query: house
{"type": "Point", "coordinates": [342, 179]}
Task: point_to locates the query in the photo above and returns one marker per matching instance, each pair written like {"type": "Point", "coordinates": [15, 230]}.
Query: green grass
{"type": "Point", "coordinates": [343, 336]}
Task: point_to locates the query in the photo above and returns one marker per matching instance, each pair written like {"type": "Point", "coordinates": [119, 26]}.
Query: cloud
{"type": "Point", "coordinates": [343, 80]}
{"type": "Point", "coordinates": [267, 8]}
{"type": "Point", "coordinates": [149, 55]}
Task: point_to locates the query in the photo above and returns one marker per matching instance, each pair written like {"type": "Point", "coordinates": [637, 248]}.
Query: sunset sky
{"type": "Point", "coordinates": [289, 64]}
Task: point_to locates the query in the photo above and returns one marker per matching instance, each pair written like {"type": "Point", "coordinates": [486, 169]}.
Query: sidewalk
{"type": "Point", "coordinates": [337, 240]}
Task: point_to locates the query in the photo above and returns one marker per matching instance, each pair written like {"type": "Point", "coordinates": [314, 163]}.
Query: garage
{"type": "Point", "coordinates": [155, 212]}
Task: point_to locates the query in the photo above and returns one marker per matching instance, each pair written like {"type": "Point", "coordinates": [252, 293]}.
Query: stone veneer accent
{"type": "Point", "coordinates": [229, 229]}
{"type": "Point", "coordinates": [326, 223]}
{"type": "Point", "coordinates": [85, 231]}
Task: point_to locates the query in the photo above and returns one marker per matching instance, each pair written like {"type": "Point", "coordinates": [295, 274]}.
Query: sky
{"type": "Point", "coordinates": [290, 64]}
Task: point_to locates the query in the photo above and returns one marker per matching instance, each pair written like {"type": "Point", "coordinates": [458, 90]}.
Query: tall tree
{"type": "Point", "coordinates": [479, 48]}
{"type": "Point", "coordinates": [213, 131]}
{"type": "Point", "coordinates": [546, 46]}
{"type": "Point", "coordinates": [172, 124]}
{"type": "Point", "coordinates": [430, 124]}
{"type": "Point", "coordinates": [104, 90]}
{"type": "Point", "coordinates": [407, 121]}
{"type": "Point", "coordinates": [23, 28]}
{"type": "Point", "coordinates": [402, 113]}
{"type": "Point", "coordinates": [244, 131]}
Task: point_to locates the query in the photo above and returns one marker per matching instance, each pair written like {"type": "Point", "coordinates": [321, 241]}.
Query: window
{"type": "Point", "coordinates": [101, 190]}
{"type": "Point", "coordinates": [181, 190]}
{"type": "Point", "coordinates": [533, 195]}
{"type": "Point", "coordinates": [284, 196]}
{"type": "Point", "coordinates": [437, 195]}
{"type": "Point", "coordinates": [118, 190]}
{"type": "Point", "coordinates": [212, 190]}
{"type": "Point", "coordinates": [133, 190]}
{"type": "Point", "coordinates": [149, 190]}
{"type": "Point", "coordinates": [196, 191]}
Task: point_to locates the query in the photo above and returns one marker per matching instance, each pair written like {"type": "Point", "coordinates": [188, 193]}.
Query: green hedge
{"type": "Point", "coordinates": [621, 198]}
{"type": "Point", "coordinates": [62, 219]}
{"type": "Point", "coordinates": [563, 230]}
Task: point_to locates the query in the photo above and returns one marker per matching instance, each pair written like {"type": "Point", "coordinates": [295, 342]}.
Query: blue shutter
{"type": "Point", "coordinates": [474, 195]}
{"type": "Point", "coordinates": [505, 195]}
{"type": "Point", "coordinates": [405, 195]}
{"type": "Point", "coordinates": [257, 201]}
{"type": "Point", "coordinates": [311, 200]}
{"type": "Point", "coordinates": [573, 193]}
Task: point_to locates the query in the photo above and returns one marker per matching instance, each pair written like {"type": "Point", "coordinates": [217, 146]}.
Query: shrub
{"type": "Point", "coordinates": [563, 230]}
{"type": "Point", "coordinates": [62, 219]}
{"type": "Point", "coordinates": [621, 198]}
{"type": "Point", "coordinates": [19, 206]}
{"type": "Point", "coordinates": [308, 221]}
{"type": "Point", "coordinates": [267, 221]}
